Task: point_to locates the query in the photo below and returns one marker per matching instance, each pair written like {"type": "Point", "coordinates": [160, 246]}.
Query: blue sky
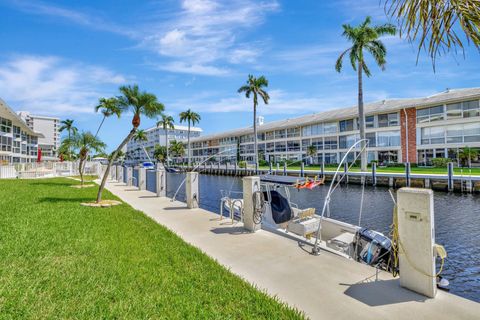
{"type": "Point", "coordinates": [58, 57]}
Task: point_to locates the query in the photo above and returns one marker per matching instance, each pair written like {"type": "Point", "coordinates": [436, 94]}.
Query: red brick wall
{"type": "Point", "coordinates": [412, 134]}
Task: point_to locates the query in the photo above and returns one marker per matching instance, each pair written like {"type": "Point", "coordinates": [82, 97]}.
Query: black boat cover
{"type": "Point", "coordinates": [281, 210]}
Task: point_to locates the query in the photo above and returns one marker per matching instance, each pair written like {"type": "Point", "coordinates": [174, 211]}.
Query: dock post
{"type": "Point", "coordinates": [142, 181]}
{"type": "Point", "coordinates": [390, 182]}
{"type": "Point", "coordinates": [415, 221]}
{"type": "Point", "coordinates": [374, 173]}
{"type": "Point", "coordinates": [345, 171]}
{"type": "Point", "coordinates": [129, 176]}
{"type": "Point", "coordinates": [302, 170]}
{"type": "Point", "coordinates": [192, 190]}
{"type": "Point", "coordinates": [250, 186]}
{"type": "Point", "coordinates": [235, 167]}
{"type": "Point", "coordinates": [161, 182]}
{"type": "Point", "coordinates": [427, 183]}
{"type": "Point", "coordinates": [450, 176]}
{"type": "Point", "coordinates": [322, 169]}
{"type": "Point", "coordinates": [407, 173]}
{"type": "Point", "coordinates": [278, 168]}
{"type": "Point", "coordinates": [285, 168]}
{"type": "Point", "coordinates": [270, 165]}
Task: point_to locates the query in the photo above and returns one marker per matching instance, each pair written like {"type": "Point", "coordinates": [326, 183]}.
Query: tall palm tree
{"type": "Point", "coordinates": [436, 23]}
{"type": "Point", "coordinates": [160, 153]}
{"type": "Point", "coordinates": [67, 124]}
{"type": "Point", "coordinates": [255, 87]}
{"type": "Point", "coordinates": [166, 123]}
{"type": "Point", "coordinates": [85, 142]}
{"type": "Point", "coordinates": [466, 155]}
{"type": "Point", "coordinates": [364, 37]}
{"type": "Point", "coordinates": [140, 103]}
{"type": "Point", "coordinates": [108, 107]}
{"type": "Point", "coordinates": [311, 152]}
{"type": "Point", "coordinates": [191, 118]}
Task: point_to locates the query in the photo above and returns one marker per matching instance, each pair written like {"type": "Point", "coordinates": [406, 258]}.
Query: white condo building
{"type": "Point", "coordinates": [18, 141]}
{"type": "Point", "coordinates": [136, 150]}
{"type": "Point", "coordinates": [49, 127]}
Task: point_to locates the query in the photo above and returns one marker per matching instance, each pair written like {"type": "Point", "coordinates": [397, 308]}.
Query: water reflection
{"type": "Point", "coordinates": [457, 220]}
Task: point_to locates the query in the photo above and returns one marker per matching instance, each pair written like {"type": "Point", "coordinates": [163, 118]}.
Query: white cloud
{"type": "Point", "coordinates": [54, 86]}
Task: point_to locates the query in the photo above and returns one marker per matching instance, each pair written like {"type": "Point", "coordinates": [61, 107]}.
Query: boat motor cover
{"type": "Point", "coordinates": [281, 210]}
{"type": "Point", "coordinates": [373, 248]}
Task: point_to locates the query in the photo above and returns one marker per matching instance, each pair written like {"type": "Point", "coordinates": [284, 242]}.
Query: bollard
{"type": "Point", "coordinates": [192, 190]}
{"type": "Point", "coordinates": [250, 186]}
{"type": "Point", "coordinates": [235, 167]}
{"type": "Point", "coordinates": [322, 169]}
{"type": "Point", "coordinates": [285, 168]}
{"type": "Point", "coordinates": [374, 173]}
{"type": "Point", "coordinates": [345, 171]}
{"type": "Point", "coordinates": [278, 168]}
{"type": "Point", "coordinates": [142, 178]}
{"type": "Point", "coordinates": [407, 173]}
{"type": "Point", "coordinates": [450, 176]}
{"type": "Point", "coordinates": [415, 222]}
{"type": "Point", "coordinates": [270, 165]}
{"type": "Point", "coordinates": [302, 170]}
{"type": "Point", "coordinates": [129, 176]}
{"type": "Point", "coordinates": [161, 183]}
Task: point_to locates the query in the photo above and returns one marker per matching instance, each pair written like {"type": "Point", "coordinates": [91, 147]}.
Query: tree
{"type": "Point", "coordinates": [108, 107]}
{"type": "Point", "coordinates": [191, 118]}
{"type": "Point", "coordinates": [436, 23]}
{"type": "Point", "coordinates": [140, 103]}
{"type": "Point", "coordinates": [160, 153]}
{"type": "Point", "coordinates": [140, 136]}
{"type": "Point", "coordinates": [166, 123]}
{"type": "Point", "coordinates": [177, 148]}
{"type": "Point", "coordinates": [364, 37]}
{"type": "Point", "coordinates": [85, 142]}
{"type": "Point", "coordinates": [311, 152]}
{"type": "Point", "coordinates": [255, 87]}
{"type": "Point", "coordinates": [466, 155]}
{"type": "Point", "coordinates": [67, 124]}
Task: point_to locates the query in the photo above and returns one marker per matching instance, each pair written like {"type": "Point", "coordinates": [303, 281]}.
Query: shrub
{"type": "Point", "coordinates": [263, 163]}
{"type": "Point", "coordinates": [242, 164]}
{"type": "Point", "coordinates": [440, 162]}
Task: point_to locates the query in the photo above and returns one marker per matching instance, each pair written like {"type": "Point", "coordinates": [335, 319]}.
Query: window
{"type": "Point", "coordinates": [433, 135]}
{"type": "Point", "coordinates": [293, 145]}
{"type": "Point", "coordinates": [318, 143]}
{"type": "Point", "coordinates": [5, 125]}
{"type": "Point", "coordinates": [5, 143]}
{"type": "Point", "coordinates": [270, 147]}
{"type": "Point", "coordinates": [330, 143]}
{"type": "Point", "coordinates": [313, 130]}
{"type": "Point", "coordinates": [279, 134]}
{"type": "Point", "coordinates": [269, 135]}
{"type": "Point", "coordinates": [455, 134]}
{"type": "Point", "coordinates": [388, 139]}
{"type": "Point", "coordinates": [387, 120]}
{"type": "Point", "coordinates": [471, 132]}
{"type": "Point", "coordinates": [430, 114]}
{"type": "Point", "coordinates": [293, 132]}
{"type": "Point", "coordinates": [305, 144]}
{"type": "Point", "coordinates": [370, 136]}
{"type": "Point", "coordinates": [471, 109]}
{"type": "Point", "coordinates": [392, 119]}
{"type": "Point", "coordinates": [330, 127]}
{"type": "Point", "coordinates": [382, 120]}
{"type": "Point", "coordinates": [346, 125]}
{"type": "Point", "coordinates": [330, 158]}
{"type": "Point", "coordinates": [280, 146]}
{"type": "Point", "coordinates": [454, 111]}
{"type": "Point", "coordinates": [370, 122]}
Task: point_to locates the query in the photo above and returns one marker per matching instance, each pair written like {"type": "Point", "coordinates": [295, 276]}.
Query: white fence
{"type": "Point", "coordinates": [47, 169]}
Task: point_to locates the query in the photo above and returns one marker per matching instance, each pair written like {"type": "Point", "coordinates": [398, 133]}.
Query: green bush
{"type": "Point", "coordinates": [242, 164]}
{"type": "Point", "coordinates": [263, 163]}
{"type": "Point", "coordinates": [440, 162]}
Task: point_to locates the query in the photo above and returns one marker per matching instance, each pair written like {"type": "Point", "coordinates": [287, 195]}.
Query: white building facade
{"type": "Point", "coordinates": [18, 141]}
{"type": "Point", "coordinates": [137, 150]}
{"type": "Point", "coordinates": [414, 130]}
{"type": "Point", "coordinates": [49, 127]}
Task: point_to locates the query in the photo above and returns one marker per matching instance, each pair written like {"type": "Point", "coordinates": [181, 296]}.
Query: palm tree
{"type": "Point", "coordinates": [255, 87]}
{"type": "Point", "coordinates": [191, 118]}
{"type": "Point", "coordinates": [108, 107]}
{"type": "Point", "coordinates": [140, 135]}
{"type": "Point", "coordinates": [166, 123]}
{"type": "Point", "coordinates": [364, 37]}
{"type": "Point", "coordinates": [85, 142]}
{"type": "Point", "coordinates": [177, 148]}
{"type": "Point", "coordinates": [160, 153]}
{"type": "Point", "coordinates": [67, 124]}
{"type": "Point", "coordinates": [311, 152]}
{"type": "Point", "coordinates": [436, 23]}
{"type": "Point", "coordinates": [140, 103]}
{"type": "Point", "coordinates": [466, 155]}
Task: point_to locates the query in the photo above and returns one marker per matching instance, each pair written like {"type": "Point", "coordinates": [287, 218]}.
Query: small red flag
{"type": "Point", "coordinates": [39, 155]}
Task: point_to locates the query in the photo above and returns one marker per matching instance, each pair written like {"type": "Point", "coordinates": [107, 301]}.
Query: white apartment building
{"type": "Point", "coordinates": [136, 150]}
{"type": "Point", "coordinates": [18, 141]}
{"type": "Point", "coordinates": [49, 127]}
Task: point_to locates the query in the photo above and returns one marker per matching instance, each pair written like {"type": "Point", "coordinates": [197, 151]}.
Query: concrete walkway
{"type": "Point", "coordinates": [324, 287]}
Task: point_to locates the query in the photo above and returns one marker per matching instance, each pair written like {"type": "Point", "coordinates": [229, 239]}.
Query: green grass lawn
{"type": "Point", "coordinates": [61, 260]}
{"type": "Point", "coordinates": [466, 171]}
{"type": "Point", "coordinates": [87, 177]}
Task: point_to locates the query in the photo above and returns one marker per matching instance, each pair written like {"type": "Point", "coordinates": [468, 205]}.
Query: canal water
{"type": "Point", "coordinates": [457, 219]}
